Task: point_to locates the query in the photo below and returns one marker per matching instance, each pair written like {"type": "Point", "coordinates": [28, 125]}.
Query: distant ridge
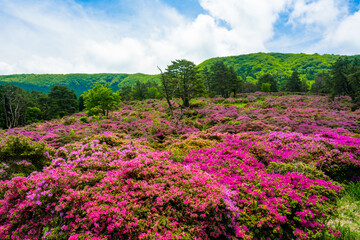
{"type": "Point", "coordinates": [80, 82]}
{"type": "Point", "coordinates": [249, 66]}
{"type": "Point", "coordinates": [252, 66]}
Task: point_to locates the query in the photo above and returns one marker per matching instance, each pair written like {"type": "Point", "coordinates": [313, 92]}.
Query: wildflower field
{"type": "Point", "coordinates": [259, 166]}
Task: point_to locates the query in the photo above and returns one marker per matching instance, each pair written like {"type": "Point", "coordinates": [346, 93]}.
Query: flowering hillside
{"type": "Point", "coordinates": [254, 167]}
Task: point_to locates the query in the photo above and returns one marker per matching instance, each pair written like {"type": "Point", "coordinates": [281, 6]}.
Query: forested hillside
{"type": "Point", "coordinates": [79, 82]}
{"type": "Point", "coordinates": [249, 67]}
{"type": "Point", "coordinates": [281, 65]}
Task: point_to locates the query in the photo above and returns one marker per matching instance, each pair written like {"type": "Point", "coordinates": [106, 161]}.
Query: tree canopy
{"type": "Point", "coordinates": [184, 80]}
{"type": "Point", "coordinates": [249, 67]}
{"type": "Point", "coordinates": [62, 102]}
{"type": "Point", "coordinates": [293, 84]}
{"type": "Point", "coordinates": [267, 80]}
{"type": "Point", "coordinates": [222, 80]}
{"type": "Point", "coordinates": [100, 99]}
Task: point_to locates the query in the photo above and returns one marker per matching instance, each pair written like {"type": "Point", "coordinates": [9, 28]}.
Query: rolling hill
{"type": "Point", "coordinates": [249, 67]}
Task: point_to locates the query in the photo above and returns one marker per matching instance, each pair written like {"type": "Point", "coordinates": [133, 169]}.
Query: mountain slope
{"type": "Point", "coordinates": [281, 65]}
{"type": "Point", "coordinates": [249, 66]}
{"type": "Point", "coordinates": [78, 82]}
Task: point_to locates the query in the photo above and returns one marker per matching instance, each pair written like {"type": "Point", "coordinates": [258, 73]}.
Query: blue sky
{"type": "Point", "coordinates": [129, 36]}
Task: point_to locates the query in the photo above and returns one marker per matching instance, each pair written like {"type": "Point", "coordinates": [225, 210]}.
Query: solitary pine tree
{"type": "Point", "coordinates": [184, 80]}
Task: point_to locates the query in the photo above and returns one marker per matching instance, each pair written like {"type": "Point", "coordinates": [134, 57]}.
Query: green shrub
{"type": "Point", "coordinates": [340, 166]}
{"type": "Point", "coordinates": [69, 121]}
{"type": "Point", "coordinates": [309, 170]}
{"type": "Point", "coordinates": [84, 119]}
{"type": "Point", "coordinates": [20, 156]}
{"type": "Point", "coordinates": [190, 145]}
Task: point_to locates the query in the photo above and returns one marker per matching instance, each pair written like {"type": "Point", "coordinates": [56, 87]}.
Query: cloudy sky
{"type": "Point", "coordinates": [129, 36]}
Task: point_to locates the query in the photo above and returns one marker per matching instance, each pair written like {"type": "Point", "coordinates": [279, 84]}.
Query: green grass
{"type": "Point", "coordinates": [353, 191]}
{"type": "Point", "coordinates": [346, 233]}
{"type": "Point", "coordinates": [348, 220]}
{"type": "Point", "coordinates": [240, 104]}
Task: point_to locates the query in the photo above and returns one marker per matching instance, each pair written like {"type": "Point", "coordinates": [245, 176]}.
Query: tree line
{"type": "Point", "coordinates": [342, 79]}
{"type": "Point", "coordinates": [20, 107]}
{"type": "Point", "coordinates": [182, 79]}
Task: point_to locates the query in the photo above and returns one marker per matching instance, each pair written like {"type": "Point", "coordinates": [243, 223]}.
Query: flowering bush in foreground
{"type": "Point", "coordinates": [98, 197]}
{"type": "Point", "coordinates": [267, 205]}
{"type": "Point", "coordinates": [337, 155]}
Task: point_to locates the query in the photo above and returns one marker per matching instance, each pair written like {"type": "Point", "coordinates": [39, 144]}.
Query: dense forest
{"type": "Point", "coordinates": [249, 67]}
{"type": "Point", "coordinates": [79, 82]}
{"type": "Point", "coordinates": [281, 65]}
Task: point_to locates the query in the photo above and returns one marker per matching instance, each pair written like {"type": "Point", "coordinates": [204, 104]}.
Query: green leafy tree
{"type": "Point", "coordinates": [81, 103]}
{"type": "Point", "coordinates": [293, 83]}
{"type": "Point", "coordinates": [266, 87]}
{"type": "Point", "coordinates": [206, 75]}
{"type": "Point", "coordinates": [345, 77]}
{"type": "Point", "coordinates": [339, 77]}
{"type": "Point", "coordinates": [33, 114]}
{"type": "Point", "coordinates": [249, 87]}
{"type": "Point", "coordinates": [62, 102]}
{"type": "Point", "coordinates": [153, 92]}
{"type": "Point", "coordinates": [139, 91]}
{"type": "Point", "coordinates": [14, 102]}
{"type": "Point", "coordinates": [184, 80]}
{"type": "Point", "coordinates": [126, 93]}
{"type": "Point", "coordinates": [223, 80]}
{"type": "Point", "coordinates": [322, 83]}
{"type": "Point", "coordinates": [41, 101]}
{"type": "Point", "coordinates": [304, 86]}
{"type": "Point", "coordinates": [101, 99]}
{"type": "Point", "coordinates": [2, 110]}
{"type": "Point", "coordinates": [267, 78]}
{"type": "Point", "coordinates": [354, 80]}
{"type": "Point", "coordinates": [152, 89]}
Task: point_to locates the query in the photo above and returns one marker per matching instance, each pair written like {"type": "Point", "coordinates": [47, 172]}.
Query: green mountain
{"type": "Point", "coordinates": [249, 66]}
{"type": "Point", "coordinates": [78, 82]}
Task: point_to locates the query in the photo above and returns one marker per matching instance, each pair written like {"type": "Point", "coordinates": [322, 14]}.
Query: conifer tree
{"type": "Point", "coordinates": [293, 83]}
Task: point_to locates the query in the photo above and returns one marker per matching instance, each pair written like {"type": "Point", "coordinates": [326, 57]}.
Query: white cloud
{"type": "Point", "coordinates": [252, 20]}
{"type": "Point", "coordinates": [323, 13]}
{"type": "Point", "coordinates": [60, 36]}
{"type": "Point", "coordinates": [345, 37]}
{"type": "Point", "coordinates": [5, 67]}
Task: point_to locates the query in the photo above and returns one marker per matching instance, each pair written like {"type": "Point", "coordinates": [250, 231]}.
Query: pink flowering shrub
{"type": "Point", "coordinates": [148, 197]}
{"type": "Point", "coordinates": [267, 205]}
{"type": "Point", "coordinates": [259, 166]}
{"type": "Point", "coordinates": [336, 155]}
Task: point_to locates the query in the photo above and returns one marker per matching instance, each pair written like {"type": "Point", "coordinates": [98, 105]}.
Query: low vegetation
{"type": "Point", "coordinates": [258, 166]}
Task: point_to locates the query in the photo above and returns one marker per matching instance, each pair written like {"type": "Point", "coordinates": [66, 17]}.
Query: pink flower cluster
{"type": "Point", "coordinates": [146, 197]}
{"type": "Point", "coordinates": [267, 204]}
